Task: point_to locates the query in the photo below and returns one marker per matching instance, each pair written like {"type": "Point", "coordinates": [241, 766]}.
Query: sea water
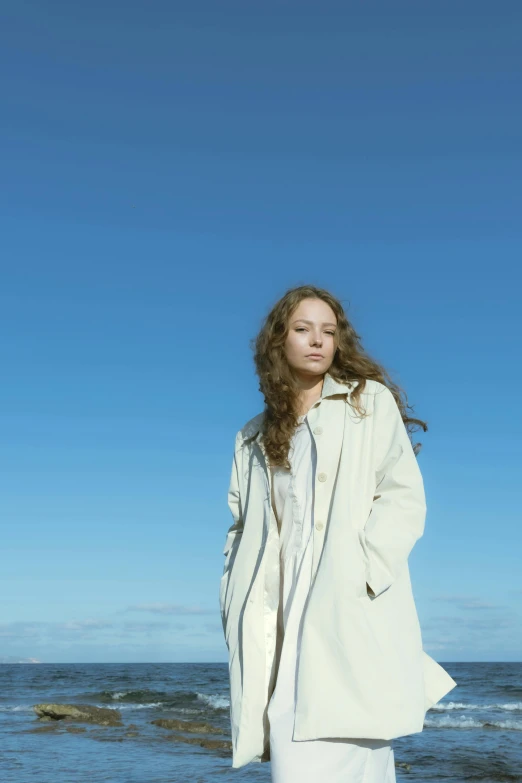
{"type": "Point", "coordinates": [473, 734]}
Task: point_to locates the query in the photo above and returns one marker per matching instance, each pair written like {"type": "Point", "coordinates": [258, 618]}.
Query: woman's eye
{"type": "Point", "coordinates": [302, 329]}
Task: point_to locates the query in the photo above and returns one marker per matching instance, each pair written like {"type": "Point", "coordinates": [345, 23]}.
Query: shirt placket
{"type": "Point", "coordinates": [310, 421]}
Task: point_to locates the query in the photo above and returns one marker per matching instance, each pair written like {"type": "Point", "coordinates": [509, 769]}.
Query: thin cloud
{"type": "Point", "coordinates": [83, 625]}
{"type": "Point", "coordinates": [465, 602]}
{"type": "Point", "coordinates": [152, 626]}
{"type": "Point", "coordinates": [159, 608]}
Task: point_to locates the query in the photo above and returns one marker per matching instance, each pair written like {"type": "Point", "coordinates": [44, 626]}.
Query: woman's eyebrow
{"type": "Point", "coordinates": [305, 321]}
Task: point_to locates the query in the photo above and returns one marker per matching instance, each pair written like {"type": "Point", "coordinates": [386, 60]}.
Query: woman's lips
{"type": "Point", "coordinates": [314, 356]}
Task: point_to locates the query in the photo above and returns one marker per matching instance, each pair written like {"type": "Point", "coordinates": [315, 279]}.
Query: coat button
{"type": "Point", "coordinates": [319, 525]}
{"type": "Point", "coordinates": [322, 476]}
{"type": "Point", "coordinates": [318, 431]}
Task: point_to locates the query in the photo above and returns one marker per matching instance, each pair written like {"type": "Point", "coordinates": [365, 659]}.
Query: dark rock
{"type": "Point", "coordinates": [46, 728]}
{"type": "Point", "coordinates": [78, 712]}
{"type": "Point", "coordinates": [186, 725]}
{"type": "Point", "coordinates": [213, 744]}
{"type": "Point", "coordinates": [107, 738]}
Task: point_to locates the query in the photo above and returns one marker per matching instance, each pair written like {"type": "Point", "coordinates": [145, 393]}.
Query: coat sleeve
{"type": "Point", "coordinates": [398, 511]}
{"type": "Point", "coordinates": [233, 536]}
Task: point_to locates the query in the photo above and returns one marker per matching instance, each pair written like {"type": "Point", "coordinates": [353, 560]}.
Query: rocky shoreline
{"type": "Point", "coordinates": [63, 715]}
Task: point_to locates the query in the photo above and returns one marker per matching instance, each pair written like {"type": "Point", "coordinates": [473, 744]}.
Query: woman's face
{"type": "Point", "coordinates": [311, 330]}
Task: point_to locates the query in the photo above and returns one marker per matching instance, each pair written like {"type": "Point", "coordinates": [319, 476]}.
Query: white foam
{"type": "Point", "coordinates": [458, 705]}
{"type": "Point", "coordinates": [214, 701]}
{"type": "Point", "coordinates": [135, 706]}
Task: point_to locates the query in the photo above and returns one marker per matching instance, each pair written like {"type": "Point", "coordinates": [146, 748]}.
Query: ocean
{"type": "Point", "coordinates": [473, 734]}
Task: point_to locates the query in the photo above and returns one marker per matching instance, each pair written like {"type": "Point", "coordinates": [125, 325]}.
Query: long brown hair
{"type": "Point", "coordinates": [279, 387]}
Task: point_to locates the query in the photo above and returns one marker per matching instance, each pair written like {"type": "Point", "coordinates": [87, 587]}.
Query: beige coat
{"type": "Point", "coordinates": [362, 671]}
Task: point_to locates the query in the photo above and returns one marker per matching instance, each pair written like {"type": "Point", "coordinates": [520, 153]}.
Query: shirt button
{"type": "Point", "coordinates": [318, 431]}
{"type": "Point", "coordinates": [319, 525]}
{"type": "Point", "coordinates": [322, 476]}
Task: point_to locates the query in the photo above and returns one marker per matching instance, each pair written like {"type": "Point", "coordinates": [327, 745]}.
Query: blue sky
{"type": "Point", "coordinates": [169, 170]}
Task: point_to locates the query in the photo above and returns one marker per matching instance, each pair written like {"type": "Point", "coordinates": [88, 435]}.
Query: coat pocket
{"type": "Point", "coordinates": [365, 578]}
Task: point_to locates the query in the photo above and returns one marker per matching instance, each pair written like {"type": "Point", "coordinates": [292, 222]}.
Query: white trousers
{"type": "Point", "coordinates": [335, 760]}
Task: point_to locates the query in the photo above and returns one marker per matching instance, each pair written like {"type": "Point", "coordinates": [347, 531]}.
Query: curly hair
{"type": "Point", "coordinates": [279, 387]}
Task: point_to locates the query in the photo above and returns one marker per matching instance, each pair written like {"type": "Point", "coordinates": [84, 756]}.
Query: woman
{"type": "Point", "coordinates": [325, 652]}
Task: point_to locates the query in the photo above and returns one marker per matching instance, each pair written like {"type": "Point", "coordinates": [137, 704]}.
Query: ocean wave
{"type": "Point", "coordinates": [124, 707]}
{"type": "Point", "coordinates": [458, 705]}
{"type": "Point", "coordinates": [140, 696]}
{"type": "Point", "coordinates": [186, 701]}
{"type": "Point", "coordinates": [214, 701]}
{"type": "Point", "coordinates": [462, 722]}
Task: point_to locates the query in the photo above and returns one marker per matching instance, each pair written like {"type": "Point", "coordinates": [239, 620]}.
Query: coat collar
{"type": "Point", "coordinates": [254, 427]}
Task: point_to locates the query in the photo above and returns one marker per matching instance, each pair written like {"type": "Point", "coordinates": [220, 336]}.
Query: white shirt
{"type": "Point", "coordinates": [293, 505]}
